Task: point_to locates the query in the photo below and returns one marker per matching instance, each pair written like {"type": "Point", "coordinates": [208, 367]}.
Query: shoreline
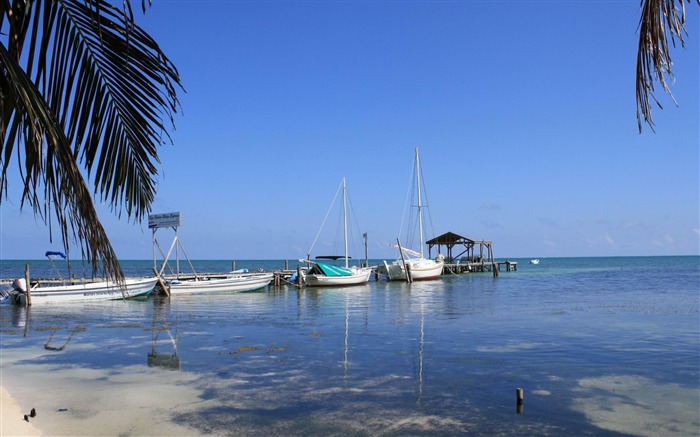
{"type": "Point", "coordinates": [12, 421]}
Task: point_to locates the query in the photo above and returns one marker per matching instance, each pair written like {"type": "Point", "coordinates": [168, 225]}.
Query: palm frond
{"type": "Point", "coordinates": [660, 21]}
{"type": "Point", "coordinates": [48, 160]}
{"type": "Point", "coordinates": [83, 87]}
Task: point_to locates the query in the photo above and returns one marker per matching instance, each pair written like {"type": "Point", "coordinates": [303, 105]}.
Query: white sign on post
{"type": "Point", "coordinates": [168, 220]}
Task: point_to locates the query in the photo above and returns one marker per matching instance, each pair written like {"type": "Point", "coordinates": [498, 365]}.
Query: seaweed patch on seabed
{"type": "Point", "coordinates": [255, 348]}
{"type": "Point", "coordinates": [475, 361]}
{"type": "Point", "coordinates": [637, 405]}
{"type": "Point", "coordinates": [126, 326]}
{"type": "Point", "coordinates": [244, 349]}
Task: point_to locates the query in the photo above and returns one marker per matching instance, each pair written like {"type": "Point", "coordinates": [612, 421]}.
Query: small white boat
{"type": "Point", "coordinates": [237, 281]}
{"type": "Point", "coordinates": [321, 274]}
{"type": "Point", "coordinates": [87, 291]}
{"type": "Point", "coordinates": [230, 284]}
{"type": "Point", "coordinates": [534, 261]}
{"type": "Point", "coordinates": [326, 275]}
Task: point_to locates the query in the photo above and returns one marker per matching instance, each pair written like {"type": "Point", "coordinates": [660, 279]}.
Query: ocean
{"type": "Point", "coordinates": [599, 346]}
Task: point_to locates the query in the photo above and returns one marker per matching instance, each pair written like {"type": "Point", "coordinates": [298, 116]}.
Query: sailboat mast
{"type": "Point", "coordinates": [420, 206]}
{"type": "Point", "coordinates": [345, 222]}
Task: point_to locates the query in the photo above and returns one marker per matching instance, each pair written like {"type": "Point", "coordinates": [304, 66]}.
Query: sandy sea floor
{"type": "Point", "coordinates": [12, 421]}
{"type": "Point", "coordinates": [73, 401]}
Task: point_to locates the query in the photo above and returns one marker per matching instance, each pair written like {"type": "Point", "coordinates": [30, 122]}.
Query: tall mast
{"type": "Point", "coordinates": [345, 222]}
{"type": "Point", "coordinates": [420, 206]}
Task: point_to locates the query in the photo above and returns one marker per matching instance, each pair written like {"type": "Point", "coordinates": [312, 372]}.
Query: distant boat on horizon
{"type": "Point", "coordinates": [534, 261]}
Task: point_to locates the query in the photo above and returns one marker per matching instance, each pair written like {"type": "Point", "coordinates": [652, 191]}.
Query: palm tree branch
{"type": "Point", "coordinates": [660, 21]}
{"type": "Point", "coordinates": [50, 162]}
{"type": "Point", "coordinates": [119, 87]}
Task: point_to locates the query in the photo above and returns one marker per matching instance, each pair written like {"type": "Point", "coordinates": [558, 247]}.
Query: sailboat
{"type": "Point", "coordinates": [324, 274]}
{"type": "Point", "coordinates": [419, 267]}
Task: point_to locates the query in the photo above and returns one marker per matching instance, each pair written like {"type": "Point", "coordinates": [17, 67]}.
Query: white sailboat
{"type": "Point", "coordinates": [419, 267]}
{"type": "Point", "coordinates": [323, 274]}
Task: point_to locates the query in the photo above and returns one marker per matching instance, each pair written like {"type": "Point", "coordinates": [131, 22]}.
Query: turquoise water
{"type": "Point", "coordinates": [600, 346]}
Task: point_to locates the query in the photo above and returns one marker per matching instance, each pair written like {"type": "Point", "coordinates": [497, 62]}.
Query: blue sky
{"type": "Point", "coordinates": [524, 113]}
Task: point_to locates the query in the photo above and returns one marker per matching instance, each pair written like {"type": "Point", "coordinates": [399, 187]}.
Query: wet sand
{"type": "Point", "coordinates": [12, 421]}
{"type": "Point", "coordinates": [75, 401]}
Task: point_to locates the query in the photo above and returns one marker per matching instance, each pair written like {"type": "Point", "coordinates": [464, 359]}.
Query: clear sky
{"type": "Point", "coordinates": [524, 113]}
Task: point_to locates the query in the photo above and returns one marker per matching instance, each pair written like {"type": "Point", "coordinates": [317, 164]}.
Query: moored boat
{"type": "Point", "coordinates": [230, 284]}
{"type": "Point", "coordinates": [322, 274]}
{"type": "Point", "coordinates": [419, 268]}
{"type": "Point", "coordinates": [86, 291]}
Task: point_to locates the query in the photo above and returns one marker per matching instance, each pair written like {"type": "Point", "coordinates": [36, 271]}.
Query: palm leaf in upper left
{"type": "Point", "coordinates": [84, 95]}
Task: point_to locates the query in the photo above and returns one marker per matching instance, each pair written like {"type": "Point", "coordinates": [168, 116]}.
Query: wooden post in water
{"type": "Point", "coordinates": [233, 266]}
{"type": "Point", "coordinates": [286, 264]}
{"type": "Point", "coordinates": [300, 280]}
{"type": "Point", "coordinates": [519, 400]}
{"type": "Point", "coordinates": [29, 286]}
{"type": "Point", "coordinates": [406, 268]}
{"type": "Point", "coordinates": [496, 273]}
{"type": "Point", "coordinates": [166, 290]}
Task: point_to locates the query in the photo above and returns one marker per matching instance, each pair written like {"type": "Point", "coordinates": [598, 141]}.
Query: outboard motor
{"type": "Point", "coordinates": [20, 285]}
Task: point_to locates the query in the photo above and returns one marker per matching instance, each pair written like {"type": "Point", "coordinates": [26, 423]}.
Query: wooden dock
{"type": "Point", "coordinates": [480, 267]}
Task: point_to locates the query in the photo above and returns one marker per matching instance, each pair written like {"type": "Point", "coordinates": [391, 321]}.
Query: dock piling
{"type": "Point", "coordinates": [166, 290]}
{"type": "Point", "coordinates": [29, 286]}
{"type": "Point", "coordinates": [519, 398]}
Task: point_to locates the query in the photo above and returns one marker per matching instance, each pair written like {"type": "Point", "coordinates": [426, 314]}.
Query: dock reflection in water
{"type": "Point", "coordinates": [161, 325]}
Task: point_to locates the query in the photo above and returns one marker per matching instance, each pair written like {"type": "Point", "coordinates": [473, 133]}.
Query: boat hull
{"type": "Point", "coordinates": [237, 284]}
{"type": "Point", "coordinates": [392, 272]}
{"type": "Point", "coordinates": [90, 291]}
{"type": "Point", "coordinates": [421, 269]}
{"type": "Point", "coordinates": [425, 269]}
{"type": "Point", "coordinates": [361, 276]}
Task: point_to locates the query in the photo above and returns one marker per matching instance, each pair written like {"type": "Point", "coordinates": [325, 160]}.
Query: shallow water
{"type": "Point", "coordinates": [601, 346]}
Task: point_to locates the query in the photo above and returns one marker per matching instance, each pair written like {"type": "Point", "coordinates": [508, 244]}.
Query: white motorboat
{"type": "Point", "coordinates": [229, 284]}
{"type": "Point", "coordinates": [323, 274]}
{"type": "Point", "coordinates": [534, 261]}
{"type": "Point", "coordinates": [419, 267]}
{"type": "Point", "coordinates": [237, 281]}
{"type": "Point", "coordinates": [84, 291]}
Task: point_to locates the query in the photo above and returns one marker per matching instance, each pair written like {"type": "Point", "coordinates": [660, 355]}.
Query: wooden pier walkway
{"type": "Point", "coordinates": [478, 267]}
